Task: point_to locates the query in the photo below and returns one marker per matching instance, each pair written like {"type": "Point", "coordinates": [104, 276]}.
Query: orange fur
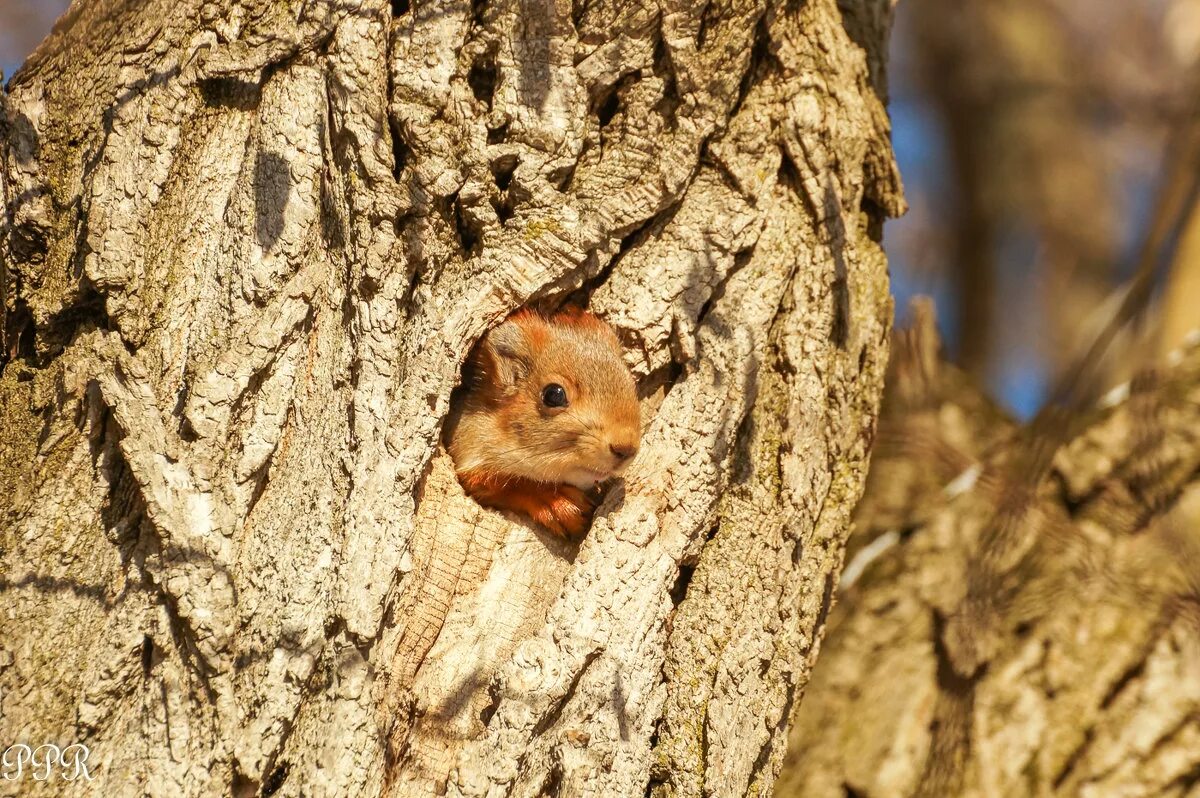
{"type": "Point", "coordinates": [512, 451]}
{"type": "Point", "coordinates": [563, 509]}
{"type": "Point", "coordinates": [578, 317]}
{"type": "Point", "coordinates": [534, 325]}
{"type": "Point", "coordinates": [537, 326]}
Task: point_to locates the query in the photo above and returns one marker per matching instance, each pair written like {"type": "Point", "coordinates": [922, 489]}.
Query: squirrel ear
{"type": "Point", "coordinates": [508, 350]}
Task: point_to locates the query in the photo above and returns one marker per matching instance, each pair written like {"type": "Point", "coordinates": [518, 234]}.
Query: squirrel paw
{"type": "Point", "coordinates": [566, 512]}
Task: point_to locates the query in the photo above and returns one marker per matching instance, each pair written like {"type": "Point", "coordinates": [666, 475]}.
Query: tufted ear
{"type": "Point", "coordinates": [507, 355]}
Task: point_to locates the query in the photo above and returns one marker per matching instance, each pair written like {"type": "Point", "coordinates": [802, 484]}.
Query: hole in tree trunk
{"type": "Point", "coordinates": [608, 103]}
{"type": "Point", "coordinates": [495, 135]}
{"type": "Point", "coordinates": [485, 714]}
{"type": "Point", "coordinates": [468, 235]}
{"type": "Point", "coordinates": [503, 208]}
{"type": "Point", "coordinates": [679, 589]}
{"type": "Point", "coordinates": [608, 109]}
{"type": "Point", "coordinates": [578, 10]}
{"type": "Point", "coordinates": [561, 178]}
{"type": "Point", "coordinates": [19, 335]}
{"type": "Point", "coordinates": [788, 174]}
{"type": "Point", "coordinates": [502, 170]}
{"type": "Point", "coordinates": [241, 95]}
{"type": "Point", "coordinates": [400, 152]}
{"type": "Point", "coordinates": [147, 654]}
{"type": "Point", "coordinates": [275, 780]}
{"type": "Point", "coordinates": [668, 105]}
{"type": "Point", "coordinates": [705, 23]}
{"type": "Point", "coordinates": [482, 79]}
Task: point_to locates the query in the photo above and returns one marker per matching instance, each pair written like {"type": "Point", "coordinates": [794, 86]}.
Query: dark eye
{"type": "Point", "coordinates": [554, 395]}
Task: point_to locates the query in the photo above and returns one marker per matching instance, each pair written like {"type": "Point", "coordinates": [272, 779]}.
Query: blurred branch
{"type": "Point", "coordinates": [1175, 205]}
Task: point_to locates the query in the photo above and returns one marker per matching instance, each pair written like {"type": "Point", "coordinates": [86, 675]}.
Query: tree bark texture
{"type": "Point", "coordinates": [1077, 673]}
{"type": "Point", "coordinates": [247, 248]}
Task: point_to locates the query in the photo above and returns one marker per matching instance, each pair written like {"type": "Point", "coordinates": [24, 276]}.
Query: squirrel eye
{"type": "Point", "coordinates": [554, 395]}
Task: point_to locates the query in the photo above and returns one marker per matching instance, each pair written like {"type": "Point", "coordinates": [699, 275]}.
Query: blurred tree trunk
{"type": "Point", "coordinates": [247, 247]}
{"type": "Point", "coordinates": [1080, 673]}
{"type": "Point", "coordinates": [1030, 181]}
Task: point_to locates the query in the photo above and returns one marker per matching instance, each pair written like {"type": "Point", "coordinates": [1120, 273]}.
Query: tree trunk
{"type": "Point", "coordinates": [1086, 654]}
{"type": "Point", "coordinates": [248, 247]}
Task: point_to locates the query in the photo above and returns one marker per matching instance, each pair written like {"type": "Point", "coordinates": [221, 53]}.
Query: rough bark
{"type": "Point", "coordinates": [1079, 675]}
{"type": "Point", "coordinates": [247, 248]}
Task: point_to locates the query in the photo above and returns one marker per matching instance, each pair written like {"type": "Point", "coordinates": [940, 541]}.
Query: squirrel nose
{"type": "Point", "coordinates": [622, 451]}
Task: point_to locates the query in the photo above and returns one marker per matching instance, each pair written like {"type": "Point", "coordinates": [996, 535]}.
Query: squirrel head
{"type": "Point", "coordinates": [548, 399]}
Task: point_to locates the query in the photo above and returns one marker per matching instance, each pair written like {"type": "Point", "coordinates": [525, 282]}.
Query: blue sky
{"type": "Point", "coordinates": [1018, 378]}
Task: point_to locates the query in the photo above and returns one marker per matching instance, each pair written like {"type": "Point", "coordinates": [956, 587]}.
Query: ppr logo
{"type": "Point", "coordinates": [47, 761]}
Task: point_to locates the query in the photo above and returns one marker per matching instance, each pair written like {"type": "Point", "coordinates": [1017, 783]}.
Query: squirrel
{"type": "Point", "coordinates": [548, 412]}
